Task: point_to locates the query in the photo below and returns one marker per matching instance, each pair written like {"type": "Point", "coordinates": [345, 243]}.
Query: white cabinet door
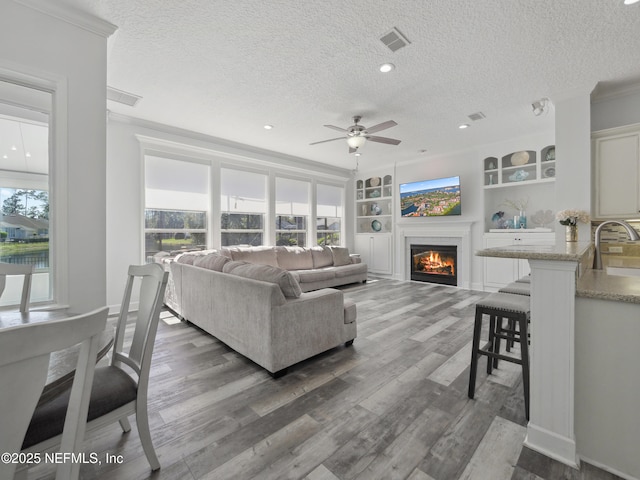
{"type": "Point", "coordinates": [617, 175]}
{"type": "Point", "coordinates": [375, 251]}
{"type": "Point", "coordinates": [499, 271]}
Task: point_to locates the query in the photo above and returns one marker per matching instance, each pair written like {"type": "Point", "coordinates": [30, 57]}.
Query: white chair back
{"type": "Point", "coordinates": [24, 361]}
{"type": "Point", "coordinates": [14, 269]}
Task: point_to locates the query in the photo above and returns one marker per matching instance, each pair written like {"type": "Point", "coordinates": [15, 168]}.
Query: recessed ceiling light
{"type": "Point", "coordinates": [5, 156]}
{"type": "Point", "coordinates": [268, 127]}
{"type": "Point", "coordinates": [463, 126]}
{"type": "Point", "coordinates": [13, 147]}
{"type": "Point", "coordinates": [630, 2]}
{"type": "Point", "coordinates": [387, 67]}
{"type": "Point", "coordinates": [28, 154]}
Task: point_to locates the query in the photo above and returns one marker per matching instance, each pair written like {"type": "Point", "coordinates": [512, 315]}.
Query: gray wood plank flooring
{"type": "Point", "coordinates": [392, 406]}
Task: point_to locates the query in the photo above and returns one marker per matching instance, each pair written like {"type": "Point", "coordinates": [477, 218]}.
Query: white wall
{"type": "Point", "coordinates": [126, 140]}
{"type": "Point", "coordinates": [615, 111]}
{"type": "Point", "coordinates": [69, 57]}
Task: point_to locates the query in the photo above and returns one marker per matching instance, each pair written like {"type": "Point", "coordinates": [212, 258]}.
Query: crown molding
{"type": "Point", "coordinates": [72, 16]}
{"type": "Point", "coordinates": [226, 149]}
{"type": "Point", "coordinates": [604, 92]}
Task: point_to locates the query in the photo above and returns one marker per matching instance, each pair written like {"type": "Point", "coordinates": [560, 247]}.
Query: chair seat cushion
{"type": "Point", "coordinates": [517, 288]}
{"type": "Point", "coordinates": [507, 302]}
{"type": "Point", "coordinates": [112, 388]}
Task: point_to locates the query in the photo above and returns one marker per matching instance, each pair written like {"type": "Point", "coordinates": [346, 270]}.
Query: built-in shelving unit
{"type": "Point", "coordinates": [374, 205]}
{"type": "Point", "coordinates": [521, 167]}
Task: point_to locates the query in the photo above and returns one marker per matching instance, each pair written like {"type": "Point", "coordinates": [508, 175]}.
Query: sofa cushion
{"type": "Point", "coordinates": [294, 258]}
{"type": "Point", "coordinates": [322, 257]}
{"type": "Point", "coordinates": [261, 255]}
{"type": "Point", "coordinates": [316, 275]}
{"type": "Point", "coordinates": [266, 273]}
{"type": "Point", "coordinates": [353, 269]}
{"type": "Point", "coordinates": [213, 261]}
{"type": "Point", "coordinates": [191, 256]}
{"type": "Point", "coordinates": [340, 256]}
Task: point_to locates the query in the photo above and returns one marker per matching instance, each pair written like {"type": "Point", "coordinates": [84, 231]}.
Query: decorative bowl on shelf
{"type": "Point", "coordinates": [376, 226]}
{"type": "Point", "coordinates": [374, 194]}
{"type": "Point", "coordinates": [518, 176]}
{"type": "Point", "coordinates": [549, 172]}
{"type": "Point", "coordinates": [520, 158]}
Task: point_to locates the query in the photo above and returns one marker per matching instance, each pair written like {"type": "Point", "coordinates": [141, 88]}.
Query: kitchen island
{"type": "Point", "coordinates": [585, 328]}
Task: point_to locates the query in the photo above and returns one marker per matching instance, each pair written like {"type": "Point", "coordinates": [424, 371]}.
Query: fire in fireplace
{"type": "Point", "coordinates": [434, 263]}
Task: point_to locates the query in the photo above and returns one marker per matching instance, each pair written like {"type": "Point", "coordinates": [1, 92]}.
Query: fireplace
{"type": "Point", "coordinates": [434, 263]}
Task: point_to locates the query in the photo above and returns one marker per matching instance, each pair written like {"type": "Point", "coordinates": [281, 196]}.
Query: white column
{"type": "Point", "coordinates": [551, 426]}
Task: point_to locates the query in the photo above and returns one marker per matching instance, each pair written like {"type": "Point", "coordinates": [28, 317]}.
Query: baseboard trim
{"type": "Point", "coordinates": [552, 445]}
{"type": "Point", "coordinates": [608, 469]}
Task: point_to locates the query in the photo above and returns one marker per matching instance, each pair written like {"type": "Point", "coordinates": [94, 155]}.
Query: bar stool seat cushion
{"type": "Point", "coordinates": [517, 288]}
{"type": "Point", "coordinates": [507, 302]}
{"type": "Point", "coordinates": [525, 279]}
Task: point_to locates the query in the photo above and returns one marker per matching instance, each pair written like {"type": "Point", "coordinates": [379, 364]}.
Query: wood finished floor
{"type": "Point", "coordinates": [393, 406]}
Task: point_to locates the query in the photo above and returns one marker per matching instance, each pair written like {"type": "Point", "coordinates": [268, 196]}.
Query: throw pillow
{"type": "Point", "coordinates": [266, 273]}
{"type": "Point", "coordinates": [213, 261]}
{"type": "Point", "coordinates": [322, 257]}
{"type": "Point", "coordinates": [340, 256]}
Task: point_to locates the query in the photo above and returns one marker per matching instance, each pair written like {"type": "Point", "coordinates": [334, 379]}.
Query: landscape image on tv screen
{"type": "Point", "coordinates": [430, 198]}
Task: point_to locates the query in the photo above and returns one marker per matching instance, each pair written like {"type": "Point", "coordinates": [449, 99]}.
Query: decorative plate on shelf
{"type": "Point", "coordinates": [375, 181]}
{"type": "Point", "coordinates": [549, 172]}
{"type": "Point", "coordinates": [376, 226]}
{"type": "Point", "coordinates": [520, 158]}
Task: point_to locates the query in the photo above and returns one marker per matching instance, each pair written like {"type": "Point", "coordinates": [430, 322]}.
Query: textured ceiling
{"type": "Point", "coordinates": [226, 68]}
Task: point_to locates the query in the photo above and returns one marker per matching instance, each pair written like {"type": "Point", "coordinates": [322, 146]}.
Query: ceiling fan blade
{"type": "Point", "coordinates": [336, 128]}
{"type": "Point", "coordinates": [390, 141]}
{"type": "Point", "coordinates": [330, 140]}
{"type": "Point", "coordinates": [381, 126]}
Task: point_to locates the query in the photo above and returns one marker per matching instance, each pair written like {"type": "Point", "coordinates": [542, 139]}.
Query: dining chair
{"type": "Point", "coordinates": [15, 269]}
{"type": "Point", "coordinates": [24, 360]}
{"type": "Point", "coordinates": [117, 391]}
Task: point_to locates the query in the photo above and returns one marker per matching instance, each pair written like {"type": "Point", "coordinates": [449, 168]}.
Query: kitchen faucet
{"type": "Point", "coordinates": [633, 236]}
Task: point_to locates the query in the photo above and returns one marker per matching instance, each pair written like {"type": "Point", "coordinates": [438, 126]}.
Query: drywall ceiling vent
{"type": "Point", "coordinates": [395, 40]}
{"type": "Point", "coordinates": [477, 116]}
{"type": "Point", "coordinates": [119, 96]}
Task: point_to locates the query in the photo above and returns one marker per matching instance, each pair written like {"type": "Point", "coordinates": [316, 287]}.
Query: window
{"type": "Point", "coordinates": [24, 189]}
{"type": "Point", "coordinates": [176, 205]}
{"type": "Point", "coordinates": [243, 207]}
{"type": "Point", "coordinates": [329, 213]}
{"type": "Point", "coordinates": [292, 211]}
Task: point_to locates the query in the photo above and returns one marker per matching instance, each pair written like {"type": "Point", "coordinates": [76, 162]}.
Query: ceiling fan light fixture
{"type": "Point", "coordinates": [356, 141]}
{"type": "Point", "coordinates": [630, 2]}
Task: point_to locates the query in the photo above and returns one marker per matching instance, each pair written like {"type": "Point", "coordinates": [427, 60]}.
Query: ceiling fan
{"type": "Point", "coordinates": [357, 135]}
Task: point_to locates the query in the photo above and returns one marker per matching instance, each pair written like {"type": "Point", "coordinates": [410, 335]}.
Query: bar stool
{"type": "Point", "coordinates": [525, 279]}
{"type": "Point", "coordinates": [499, 306]}
{"type": "Point", "coordinates": [517, 288]}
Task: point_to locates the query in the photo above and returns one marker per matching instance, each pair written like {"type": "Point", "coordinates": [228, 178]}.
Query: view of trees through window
{"type": "Point", "coordinates": [242, 229]}
{"type": "Point", "coordinates": [291, 231]}
{"type": "Point", "coordinates": [167, 230]}
{"type": "Point", "coordinates": [328, 231]}
{"type": "Point", "coordinates": [24, 227]}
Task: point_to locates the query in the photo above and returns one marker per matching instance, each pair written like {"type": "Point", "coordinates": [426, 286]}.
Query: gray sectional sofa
{"type": "Point", "coordinates": [261, 310]}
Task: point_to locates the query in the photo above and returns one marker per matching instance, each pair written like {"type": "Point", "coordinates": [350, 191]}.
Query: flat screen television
{"type": "Point", "coordinates": [430, 198]}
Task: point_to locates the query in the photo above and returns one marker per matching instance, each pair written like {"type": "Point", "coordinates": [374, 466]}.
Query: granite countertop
{"type": "Point", "coordinates": [562, 252]}
{"type": "Point", "coordinates": [602, 285]}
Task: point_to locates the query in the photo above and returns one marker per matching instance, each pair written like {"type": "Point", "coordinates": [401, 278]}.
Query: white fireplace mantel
{"type": "Point", "coordinates": [445, 233]}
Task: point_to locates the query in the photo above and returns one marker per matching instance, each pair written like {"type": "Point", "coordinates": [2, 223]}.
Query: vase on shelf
{"type": "Point", "coordinates": [571, 233]}
{"type": "Point", "coordinates": [522, 219]}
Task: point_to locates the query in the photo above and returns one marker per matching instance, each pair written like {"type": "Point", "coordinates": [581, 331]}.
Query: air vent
{"type": "Point", "coordinates": [395, 40]}
{"type": "Point", "coordinates": [476, 116]}
{"type": "Point", "coordinates": [119, 96]}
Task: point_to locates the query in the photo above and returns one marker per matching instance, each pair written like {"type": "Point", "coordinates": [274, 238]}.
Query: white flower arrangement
{"type": "Point", "coordinates": [572, 217]}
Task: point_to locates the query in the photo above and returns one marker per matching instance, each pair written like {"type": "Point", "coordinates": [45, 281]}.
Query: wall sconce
{"type": "Point", "coordinates": [540, 106]}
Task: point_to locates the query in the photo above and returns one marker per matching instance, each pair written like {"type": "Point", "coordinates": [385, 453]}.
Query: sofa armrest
{"type": "Point", "coordinates": [355, 258]}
